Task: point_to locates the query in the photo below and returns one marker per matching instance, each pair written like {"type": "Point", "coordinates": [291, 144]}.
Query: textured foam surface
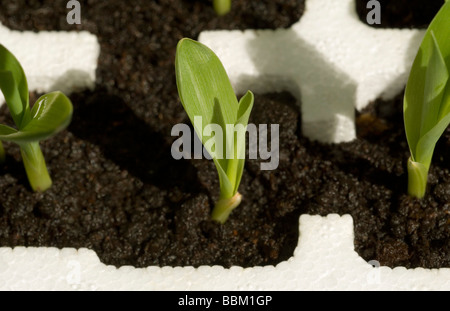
{"type": "Point", "coordinates": [329, 60]}
{"type": "Point", "coordinates": [54, 61]}
{"type": "Point", "coordinates": [324, 260]}
{"type": "Point", "coordinates": [332, 62]}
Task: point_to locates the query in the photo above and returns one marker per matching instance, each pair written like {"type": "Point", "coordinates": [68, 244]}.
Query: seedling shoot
{"type": "Point", "coordinates": [222, 7]}
{"type": "Point", "coordinates": [207, 95]}
{"type": "Point", "coordinates": [427, 100]}
{"type": "Point", "coordinates": [50, 115]}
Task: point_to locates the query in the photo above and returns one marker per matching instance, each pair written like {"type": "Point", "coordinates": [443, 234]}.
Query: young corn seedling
{"type": "Point", "coordinates": [209, 100]}
{"type": "Point", "coordinates": [51, 114]}
{"type": "Point", "coordinates": [427, 100]}
{"type": "Point", "coordinates": [222, 7]}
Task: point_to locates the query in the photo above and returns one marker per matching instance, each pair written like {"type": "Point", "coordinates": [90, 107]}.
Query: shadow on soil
{"type": "Point", "coordinates": [106, 121]}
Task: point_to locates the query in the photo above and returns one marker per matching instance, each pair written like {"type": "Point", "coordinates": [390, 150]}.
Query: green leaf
{"type": "Point", "coordinates": [245, 108]}
{"type": "Point", "coordinates": [6, 131]}
{"type": "Point", "coordinates": [226, 187]}
{"type": "Point", "coordinates": [426, 96]}
{"type": "Point", "coordinates": [14, 87]}
{"type": "Point", "coordinates": [435, 82]}
{"type": "Point", "coordinates": [426, 144]}
{"type": "Point", "coordinates": [50, 115]}
{"type": "Point", "coordinates": [205, 91]}
{"type": "Point", "coordinates": [432, 126]}
{"type": "Point", "coordinates": [427, 100]}
{"type": "Point", "coordinates": [203, 83]}
{"type": "Point", "coordinates": [445, 104]}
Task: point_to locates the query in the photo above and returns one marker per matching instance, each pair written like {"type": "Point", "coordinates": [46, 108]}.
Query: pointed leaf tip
{"type": "Point", "coordinates": [14, 86]}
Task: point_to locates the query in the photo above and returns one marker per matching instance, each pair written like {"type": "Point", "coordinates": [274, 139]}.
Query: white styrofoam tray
{"type": "Point", "coordinates": [330, 61]}
{"type": "Point", "coordinates": [323, 260]}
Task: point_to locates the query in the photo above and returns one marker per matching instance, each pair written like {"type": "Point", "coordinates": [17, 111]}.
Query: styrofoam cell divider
{"type": "Point", "coordinates": [54, 61]}
{"type": "Point", "coordinates": [324, 260]}
{"type": "Point", "coordinates": [331, 62]}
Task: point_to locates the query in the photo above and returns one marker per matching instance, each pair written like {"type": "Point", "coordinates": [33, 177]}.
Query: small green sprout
{"type": "Point", "coordinates": [222, 7]}
{"type": "Point", "coordinates": [51, 114]}
{"type": "Point", "coordinates": [427, 100]}
{"type": "Point", "coordinates": [206, 92]}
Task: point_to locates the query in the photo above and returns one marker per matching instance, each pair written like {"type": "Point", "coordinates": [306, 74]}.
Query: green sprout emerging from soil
{"type": "Point", "coordinates": [222, 7]}
{"type": "Point", "coordinates": [207, 95]}
{"type": "Point", "coordinates": [51, 114]}
{"type": "Point", "coordinates": [427, 100]}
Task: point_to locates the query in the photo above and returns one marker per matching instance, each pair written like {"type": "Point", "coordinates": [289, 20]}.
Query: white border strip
{"type": "Point", "coordinates": [324, 260]}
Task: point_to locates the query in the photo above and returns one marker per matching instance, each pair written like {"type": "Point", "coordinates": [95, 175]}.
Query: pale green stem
{"type": "Point", "coordinates": [232, 171]}
{"type": "Point", "coordinates": [35, 166]}
{"type": "Point", "coordinates": [228, 201]}
{"type": "Point", "coordinates": [224, 207]}
{"type": "Point", "coordinates": [417, 178]}
{"type": "Point", "coordinates": [222, 7]}
{"type": "Point", "coordinates": [2, 153]}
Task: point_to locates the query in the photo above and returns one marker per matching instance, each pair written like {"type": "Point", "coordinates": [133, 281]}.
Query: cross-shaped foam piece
{"type": "Point", "coordinates": [329, 60]}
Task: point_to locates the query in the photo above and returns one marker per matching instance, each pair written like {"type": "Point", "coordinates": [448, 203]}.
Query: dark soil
{"type": "Point", "coordinates": [118, 191]}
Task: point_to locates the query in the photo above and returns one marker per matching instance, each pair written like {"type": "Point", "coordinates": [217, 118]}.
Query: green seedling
{"type": "Point", "coordinates": [206, 93]}
{"type": "Point", "coordinates": [51, 114]}
{"type": "Point", "coordinates": [427, 100]}
{"type": "Point", "coordinates": [222, 7]}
